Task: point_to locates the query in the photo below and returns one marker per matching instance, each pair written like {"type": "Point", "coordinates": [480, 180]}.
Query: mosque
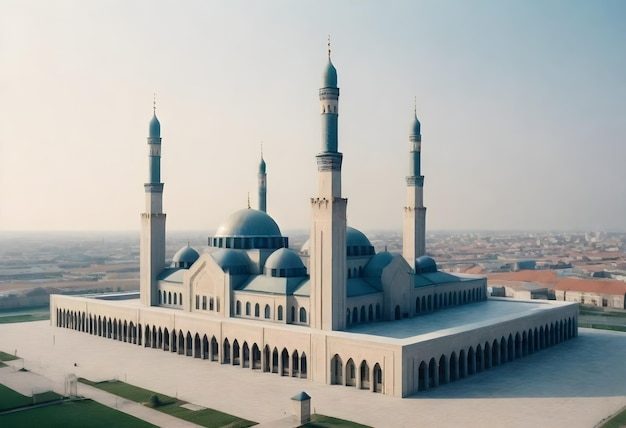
{"type": "Point", "coordinates": [333, 311]}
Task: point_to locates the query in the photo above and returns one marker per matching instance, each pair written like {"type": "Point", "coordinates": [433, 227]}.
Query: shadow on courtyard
{"type": "Point", "coordinates": [591, 365]}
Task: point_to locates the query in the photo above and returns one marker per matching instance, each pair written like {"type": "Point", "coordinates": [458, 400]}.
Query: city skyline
{"type": "Point", "coordinates": [521, 108]}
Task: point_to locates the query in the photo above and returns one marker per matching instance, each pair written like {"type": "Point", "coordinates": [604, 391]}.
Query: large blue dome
{"type": "Point", "coordinates": [248, 222]}
{"type": "Point", "coordinates": [155, 127]}
{"type": "Point", "coordinates": [249, 229]}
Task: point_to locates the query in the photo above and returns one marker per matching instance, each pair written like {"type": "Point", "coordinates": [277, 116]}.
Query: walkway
{"type": "Point", "coordinates": [573, 384]}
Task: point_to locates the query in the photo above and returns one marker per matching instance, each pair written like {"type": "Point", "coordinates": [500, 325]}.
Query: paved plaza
{"type": "Point", "coordinates": [576, 383]}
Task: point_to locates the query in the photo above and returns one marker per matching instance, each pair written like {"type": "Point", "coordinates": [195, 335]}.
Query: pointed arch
{"type": "Point", "coordinates": [226, 352]}
{"type": "Point", "coordinates": [284, 362]}
{"type": "Point", "coordinates": [364, 375]}
{"type": "Point", "coordinates": [236, 357]}
{"type": "Point", "coordinates": [336, 370]}
{"type": "Point", "coordinates": [245, 357]}
{"type": "Point", "coordinates": [350, 373]}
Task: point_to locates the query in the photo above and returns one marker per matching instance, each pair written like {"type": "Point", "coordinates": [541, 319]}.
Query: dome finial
{"type": "Point", "coordinates": [415, 105]}
{"type": "Point", "coordinates": [248, 200]}
{"type": "Point", "coordinates": [154, 103]}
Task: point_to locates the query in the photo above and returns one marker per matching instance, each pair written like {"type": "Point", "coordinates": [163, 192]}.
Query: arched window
{"type": "Point", "coordinates": [175, 299]}
{"type": "Point", "coordinates": [267, 311]}
{"type": "Point", "coordinates": [293, 314]}
{"type": "Point", "coordinates": [280, 313]}
{"type": "Point", "coordinates": [169, 298]}
{"type": "Point", "coordinates": [302, 315]}
{"type": "Point", "coordinates": [238, 308]}
{"type": "Point", "coordinates": [248, 308]}
{"type": "Point", "coordinates": [256, 310]}
{"type": "Point", "coordinates": [180, 298]}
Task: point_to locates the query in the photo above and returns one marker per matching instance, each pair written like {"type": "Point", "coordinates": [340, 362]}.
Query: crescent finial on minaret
{"type": "Point", "coordinates": [248, 200]}
{"type": "Point", "coordinates": [329, 46]}
{"type": "Point", "coordinates": [154, 102]}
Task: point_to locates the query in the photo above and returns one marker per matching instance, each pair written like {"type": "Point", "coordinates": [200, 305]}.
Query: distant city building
{"type": "Point", "coordinates": [592, 292]}
{"type": "Point", "coordinates": [335, 311]}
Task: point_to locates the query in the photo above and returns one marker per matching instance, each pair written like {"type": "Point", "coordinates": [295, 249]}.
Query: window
{"type": "Point", "coordinates": [302, 315]}
{"type": "Point", "coordinates": [180, 298]}
{"type": "Point", "coordinates": [211, 303]}
{"type": "Point", "coordinates": [293, 314]}
{"type": "Point", "coordinates": [256, 310]}
{"type": "Point", "coordinates": [238, 308]}
{"type": "Point", "coordinates": [175, 299]}
{"type": "Point", "coordinates": [248, 308]}
{"type": "Point", "coordinates": [197, 302]}
{"type": "Point", "coordinates": [280, 313]}
{"type": "Point", "coordinates": [267, 312]}
{"type": "Point", "coordinates": [204, 303]}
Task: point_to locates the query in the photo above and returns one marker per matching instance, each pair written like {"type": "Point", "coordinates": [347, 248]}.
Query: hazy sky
{"type": "Point", "coordinates": [522, 104]}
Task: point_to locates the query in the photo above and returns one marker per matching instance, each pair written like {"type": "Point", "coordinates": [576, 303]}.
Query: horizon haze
{"type": "Point", "coordinates": [521, 104]}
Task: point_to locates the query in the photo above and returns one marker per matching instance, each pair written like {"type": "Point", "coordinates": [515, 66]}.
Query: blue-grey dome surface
{"type": "Point", "coordinates": [356, 238]}
{"type": "Point", "coordinates": [248, 222]}
{"type": "Point", "coordinates": [186, 255]}
{"type": "Point", "coordinates": [425, 264]}
{"type": "Point", "coordinates": [416, 126]}
{"type": "Point", "coordinates": [229, 259]}
{"type": "Point", "coordinates": [330, 76]}
{"type": "Point", "coordinates": [154, 128]}
{"type": "Point", "coordinates": [374, 268]}
{"type": "Point", "coordinates": [284, 258]}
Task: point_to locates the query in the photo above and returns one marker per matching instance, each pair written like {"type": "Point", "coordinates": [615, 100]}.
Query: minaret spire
{"type": "Point", "coordinates": [328, 227]}
{"type": "Point", "coordinates": [262, 180]}
{"type": "Point", "coordinates": [414, 223]}
{"type": "Point", "coordinates": [152, 245]}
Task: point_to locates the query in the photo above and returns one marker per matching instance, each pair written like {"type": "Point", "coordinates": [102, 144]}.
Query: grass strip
{"type": "Point", "coordinates": [617, 421]}
{"type": "Point", "coordinates": [170, 405]}
{"type": "Point", "coordinates": [322, 421]}
{"type": "Point", "coordinates": [72, 414]}
{"type": "Point", "coordinates": [10, 319]}
{"type": "Point", "coordinates": [602, 326]}
{"type": "Point", "coordinates": [7, 357]}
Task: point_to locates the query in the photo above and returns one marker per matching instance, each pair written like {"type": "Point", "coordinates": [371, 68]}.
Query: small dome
{"type": "Point", "coordinates": [330, 76]}
{"type": "Point", "coordinates": [155, 127]}
{"type": "Point", "coordinates": [284, 263]}
{"type": "Point", "coordinates": [425, 264]}
{"type": "Point", "coordinates": [262, 166]}
{"type": "Point", "coordinates": [375, 266]}
{"type": "Point", "coordinates": [185, 257]}
{"type": "Point", "coordinates": [284, 258]}
{"type": "Point", "coordinates": [416, 126]}
{"type": "Point", "coordinates": [236, 262]}
{"type": "Point", "coordinates": [248, 222]}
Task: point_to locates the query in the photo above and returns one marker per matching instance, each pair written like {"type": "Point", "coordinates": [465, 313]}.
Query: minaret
{"type": "Point", "coordinates": [414, 224]}
{"type": "Point", "coordinates": [262, 176]}
{"type": "Point", "coordinates": [328, 228]}
{"type": "Point", "coordinates": [152, 247]}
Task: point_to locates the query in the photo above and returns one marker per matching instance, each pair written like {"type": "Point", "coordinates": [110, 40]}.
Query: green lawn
{"type": "Point", "coordinates": [7, 357]}
{"type": "Point", "coordinates": [10, 399]}
{"type": "Point", "coordinates": [72, 414]}
{"type": "Point", "coordinates": [617, 421]}
{"type": "Point", "coordinates": [171, 405]}
{"type": "Point", "coordinates": [8, 319]}
{"type": "Point", "coordinates": [321, 421]}
{"type": "Point", "coordinates": [599, 312]}
{"type": "Point", "coordinates": [602, 326]}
